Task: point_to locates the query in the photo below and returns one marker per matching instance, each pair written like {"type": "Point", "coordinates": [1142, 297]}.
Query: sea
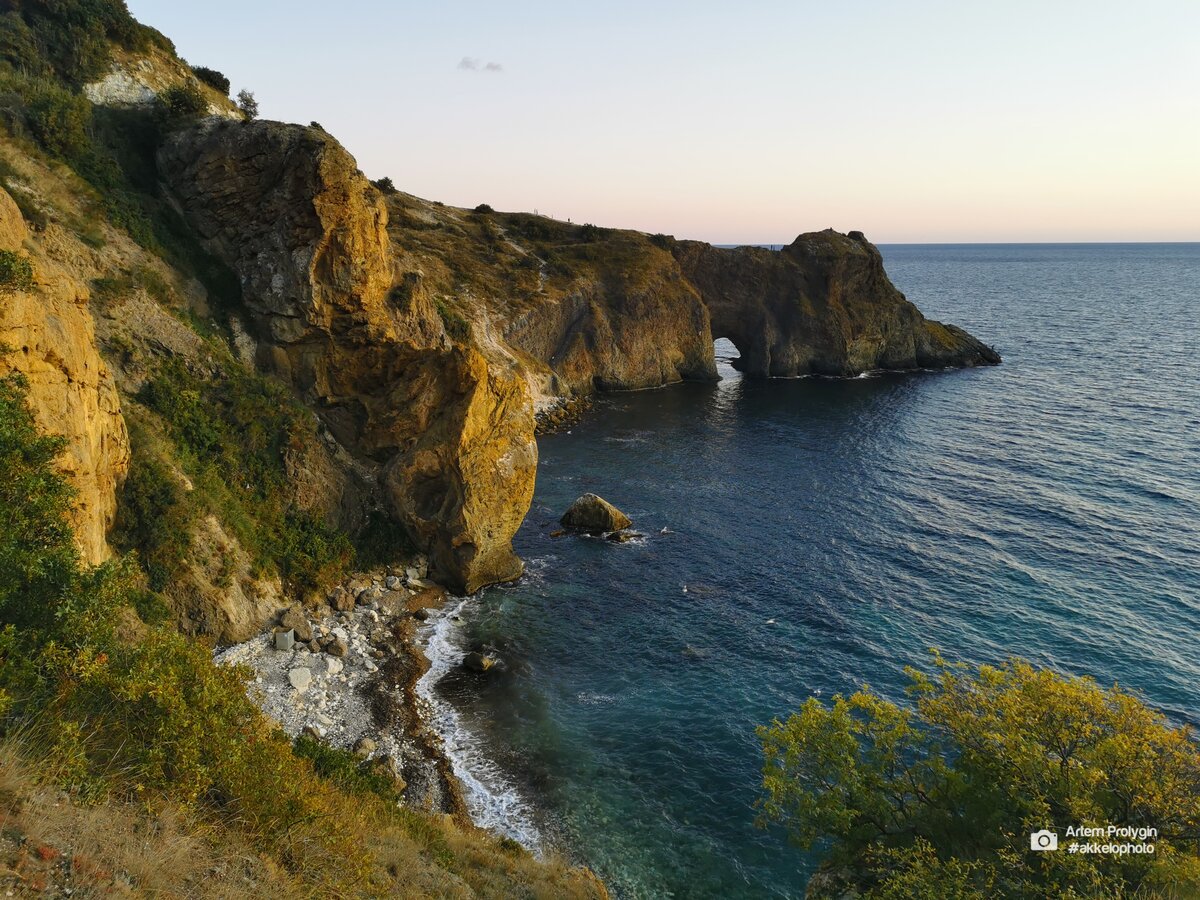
{"type": "Point", "coordinates": [805, 537]}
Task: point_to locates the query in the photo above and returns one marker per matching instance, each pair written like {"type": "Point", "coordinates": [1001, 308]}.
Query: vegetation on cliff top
{"type": "Point", "coordinates": [940, 800]}
{"type": "Point", "coordinates": [71, 40]}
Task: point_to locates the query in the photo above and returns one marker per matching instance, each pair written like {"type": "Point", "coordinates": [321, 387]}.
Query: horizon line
{"type": "Point", "coordinates": [961, 243]}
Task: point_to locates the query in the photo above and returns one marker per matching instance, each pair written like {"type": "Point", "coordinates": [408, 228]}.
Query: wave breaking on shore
{"type": "Point", "coordinates": [494, 803]}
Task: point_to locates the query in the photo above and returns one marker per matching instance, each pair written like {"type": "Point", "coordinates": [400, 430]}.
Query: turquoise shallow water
{"type": "Point", "coordinates": [827, 534]}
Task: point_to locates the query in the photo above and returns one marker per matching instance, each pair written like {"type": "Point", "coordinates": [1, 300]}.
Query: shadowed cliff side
{"type": "Point", "coordinates": [446, 430]}
{"type": "Point", "coordinates": [821, 306]}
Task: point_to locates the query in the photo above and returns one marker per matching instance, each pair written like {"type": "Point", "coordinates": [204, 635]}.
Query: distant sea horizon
{"type": "Point", "coordinates": [778, 245]}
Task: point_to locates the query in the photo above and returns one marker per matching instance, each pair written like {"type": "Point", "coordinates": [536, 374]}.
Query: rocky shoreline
{"type": "Point", "coordinates": [346, 673]}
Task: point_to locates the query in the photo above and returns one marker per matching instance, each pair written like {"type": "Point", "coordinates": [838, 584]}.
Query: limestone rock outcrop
{"type": "Point", "coordinates": [636, 325]}
{"type": "Point", "coordinates": [50, 338]}
{"type": "Point", "coordinates": [446, 427]}
{"type": "Point", "coordinates": [138, 79]}
{"type": "Point", "coordinates": [588, 309]}
{"type": "Point", "coordinates": [594, 515]}
{"type": "Point", "coordinates": [821, 306]}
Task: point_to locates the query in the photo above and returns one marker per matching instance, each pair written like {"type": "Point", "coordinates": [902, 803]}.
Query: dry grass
{"type": "Point", "coordinates": [51, 843]}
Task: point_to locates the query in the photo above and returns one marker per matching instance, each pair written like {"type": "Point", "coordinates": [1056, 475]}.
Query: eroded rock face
{"type": "Point", "coordinates": [51, 339]}
{"type": "Point", "coordinates": [823, 305]}
{"type": "Point", "coordinates": [448, 429]}
{"type": "Point", "coordinates": [638, 328]}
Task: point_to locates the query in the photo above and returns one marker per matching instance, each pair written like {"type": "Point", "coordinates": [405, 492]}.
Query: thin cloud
{"type": "Point", "coordinates": [471, 64]}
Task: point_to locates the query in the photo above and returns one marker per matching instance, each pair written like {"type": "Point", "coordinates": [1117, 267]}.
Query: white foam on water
{"type": "Point", "coordinates": [593, 698]}
{"type": "Point", "coordinates": [492, 800]}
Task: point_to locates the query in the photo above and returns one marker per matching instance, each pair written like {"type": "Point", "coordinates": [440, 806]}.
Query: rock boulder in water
{"type": "Point", "coordinates": [594, 515]}
{"type": "Point", "coordinates": [480, 662]}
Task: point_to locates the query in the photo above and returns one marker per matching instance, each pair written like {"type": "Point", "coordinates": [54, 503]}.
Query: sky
{"type": "Point", "coordinates": [751, 121]}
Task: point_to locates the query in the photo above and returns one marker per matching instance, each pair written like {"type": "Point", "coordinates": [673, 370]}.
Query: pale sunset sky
{"type": "Point", "coordinates": [751, 122]}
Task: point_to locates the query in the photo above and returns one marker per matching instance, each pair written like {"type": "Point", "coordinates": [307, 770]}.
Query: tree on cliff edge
{"type": "Point", "coordinates": [940, 800]}
{"type": "Point", "coordinates": [247, 104]}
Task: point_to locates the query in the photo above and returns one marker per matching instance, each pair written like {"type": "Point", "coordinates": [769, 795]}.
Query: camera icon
{"type": "Point", "coordinates": [1043, 840]}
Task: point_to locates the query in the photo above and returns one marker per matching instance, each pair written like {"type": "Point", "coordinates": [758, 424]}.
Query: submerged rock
{"type": "Point", "coordinates": [480, 662]}
{"type": "Point", "coordinates": [624, 537]}
{"type": "Point", "coordinates": [595, 515]}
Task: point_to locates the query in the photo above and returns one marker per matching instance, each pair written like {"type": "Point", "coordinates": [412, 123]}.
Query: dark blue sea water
{"type": "Point", "coordinates": [823, 534]}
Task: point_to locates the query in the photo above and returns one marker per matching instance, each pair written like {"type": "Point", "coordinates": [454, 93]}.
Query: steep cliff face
{"type": "Point", "coordinates": [623, 322]}
{"type": "Point", "coordinates": [823, 305]}
{"type": "Point", "coordinates": [445, 425]}
{"type": "Point", "coordinates": [581, 308]}
{"type": "Point", "coordinates": [50, 338]}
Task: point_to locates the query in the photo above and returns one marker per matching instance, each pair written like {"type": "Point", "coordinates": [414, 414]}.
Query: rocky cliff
{"type": "Point", "coordinates": [48, 335]}
{"type": "Point", "coordinates": [590, 308]}
{"type": "Point", "coordinates": [444, 426]}
{"type": "Point", "coordinates": [823, 305]}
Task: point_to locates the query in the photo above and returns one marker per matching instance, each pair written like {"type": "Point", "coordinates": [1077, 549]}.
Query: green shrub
{"type": "Point", "coordinates": [74, 38]}
{"type": "Point", "coordinates": [184, 100]}
{"type": "Point", "coordinates": [232, 434]}
{"type": "Point", "coordinates": [16, 272]}
{"type": "Point", "coordinates": [948, 793]}
{"type": "Point", "coordinates": [456, 326]}
{"type": "Point", "coordinates": [59, 119]}
{"type": "Point", "coordinates": [43, 588]}
{"type": "Point", "coordinates": [38, 560]}
{"type": "Point", "coordinates": [385, 185]}
{"type": "Point", "coordinates": [483, 209]}
{"type": "Point", "coordinates": [212, 78]}
{"type": "Point", "coordinates": [19, 46]}
{"type": "Point", "coordinates": [153, 516]}
{"type": "Point", "coordinates": [247, 104]}
{"type": "Point", "coordinates": [345, 769]}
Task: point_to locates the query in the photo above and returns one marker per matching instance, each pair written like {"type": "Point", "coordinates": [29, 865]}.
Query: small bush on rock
{"type": "Point", "coordinates": [184, 100]}
{"type": "Point", "coordinates": [247, 104]}
{"type": "Point", "coordinates": [16, 272]}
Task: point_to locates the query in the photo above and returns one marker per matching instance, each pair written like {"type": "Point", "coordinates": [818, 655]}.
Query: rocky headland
{"type": "Point", "coordinates": [428, 338]}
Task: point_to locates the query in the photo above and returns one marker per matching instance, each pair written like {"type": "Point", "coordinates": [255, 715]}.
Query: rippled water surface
{"type": "Point", "coordinates": [822, 534]}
